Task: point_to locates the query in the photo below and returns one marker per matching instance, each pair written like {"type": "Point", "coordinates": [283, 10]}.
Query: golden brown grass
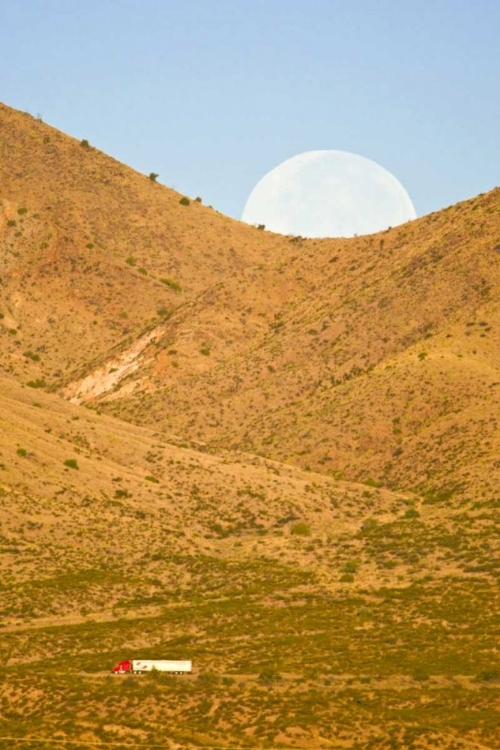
{"type": "Point", "coordinates": [287, 469]}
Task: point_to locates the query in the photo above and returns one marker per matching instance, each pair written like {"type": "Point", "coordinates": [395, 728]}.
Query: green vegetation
{"type": "Point", "coordinates": [32, 355]}
{"type": "Point", "coordinates": [300, 529]}
{"type": "Point", "coordinates": [172, 284]}
{"type": "Point", "coordinates": [153, 176]}
{"type": "Point", "coordinates": [184, 201]}
{"type": "Point", "coordinates": [71, 463]}
{"type": "Point", "coordinates": [38, 383]}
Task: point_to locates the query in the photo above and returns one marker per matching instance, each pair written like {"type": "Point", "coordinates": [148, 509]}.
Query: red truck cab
{"type": "Point", "coordinates": [123, 667]}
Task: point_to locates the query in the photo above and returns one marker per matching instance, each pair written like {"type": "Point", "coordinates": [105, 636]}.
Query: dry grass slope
{"type": "Point", "coordinates": [188, 496]}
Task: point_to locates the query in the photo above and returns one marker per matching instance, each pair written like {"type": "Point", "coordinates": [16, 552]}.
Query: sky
{"type": "Point", "coordinates": [212, 94]}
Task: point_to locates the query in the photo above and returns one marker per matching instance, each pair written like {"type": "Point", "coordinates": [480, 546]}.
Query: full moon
{"type": "Point", "coordinates": [328, 194]}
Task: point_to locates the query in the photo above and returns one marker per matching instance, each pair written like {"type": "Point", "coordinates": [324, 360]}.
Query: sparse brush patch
{"type": "Point", "coordinates": [32, 355]}
{"type": "Point", "coordinates": [38, 383]}
{"type": "Point", "coordinates": [172, 284]}
{"type": "Point", "coordinates": [71, 463]}
{"type": "Point", "coordinates": [300, 529]}
{"type": "Point", "coordinates": [412, 513]}
{"type": "Point", "coordinates": [164, 312]}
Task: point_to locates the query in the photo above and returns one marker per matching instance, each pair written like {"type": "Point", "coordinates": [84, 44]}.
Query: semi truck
{"type": "Point", "coordinates": [138, 666]}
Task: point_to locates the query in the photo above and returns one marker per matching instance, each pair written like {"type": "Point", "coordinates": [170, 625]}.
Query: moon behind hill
{"type": "Point", "coordinates": [328, 194]}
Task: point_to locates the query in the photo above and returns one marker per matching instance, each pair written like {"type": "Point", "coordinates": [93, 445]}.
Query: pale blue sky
{"type": "Point", "coordinates": [212, 94]}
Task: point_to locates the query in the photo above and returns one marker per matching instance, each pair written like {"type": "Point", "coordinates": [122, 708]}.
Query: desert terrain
{"type": "Point", "coordinates": [277, 457]}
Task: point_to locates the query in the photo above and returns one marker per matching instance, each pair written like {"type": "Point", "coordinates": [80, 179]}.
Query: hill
{"type": "Point", "coordinates": [274, 456]}
{"type": "Point", "coordinates": [376, 358]}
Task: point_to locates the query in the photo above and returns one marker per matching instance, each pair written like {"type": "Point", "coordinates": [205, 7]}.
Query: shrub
{"type": "Point", "coordinates": [32, 355]}
{"type": "Point", "coordinates": [38, 383]}
{"type": "Point", "coordinates": [198, 199]}
{"type": "Point", "coordinates": [130, 260]}
{"type": "Point", "coordinates": [11, 223]}
{"type": "Point", "coordinates": [89, 245]}
{"type": "Point", "coordinates": [301, 529]}
{"type": "Point", "coordinates": [149, 478]}
{"type": "Point", "coordinates": [71, 463]}
{"type": "Point", "coordinates": [184, 201]}
{"type": "Point", "coordinates": [122, 493]}
{"type": "Point", "coordinates": [164, 312]}
{"type": "Point", "coordinates": [347, 578]}
{"type": "Point", "coordinates": [84, 143]}
{"type": "Point", "coordinates": [205, 351]}
{"type": "Point", "coordinates": [153, 176]}
{"type": "Point", "coordinates": [22, 211]}
{"type": "Point", "coordinates": [412, 513]}
{"type": "Point", "coordinates": [350, 567]}
{"type": "Point", "coordinates": [172, 284]}
{"type": "Point", "coordinates": [269, 675]}
{"type": "Point", "coordinates": [143, 271]}
{"type": "Point", "coordinates": [22, 452]}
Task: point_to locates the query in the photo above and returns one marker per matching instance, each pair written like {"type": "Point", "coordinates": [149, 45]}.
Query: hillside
{"type": "Point", "coordinates": [94, 253]}
{"type": "Point", "coordinates": [274, 456]}
{"type": "Point", "coordinates": [372, 358]}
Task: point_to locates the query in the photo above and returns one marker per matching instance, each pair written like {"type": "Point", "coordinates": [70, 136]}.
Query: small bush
{"type": "Point", "coordinates": [38, 383]}
{"type": "Point", "coordinates": [412, 513]}
{"type": "Point", "coordinates": [350, 567]}
{"type": "Point", "coordinates": [11, 223]}
{"type": "Point", "coordinates": [22, 211]}
{"type": "Point", "coordinates": [198, 199]}
{"type": "Point", "coordinates": [172, 284]}
{"type": "Point", "coordinates": [33, 356]}
{"type": "Point", "coordinates": [152, 479]}
{"type": "Point", "coordinates": [143, 271]}
{"type": "Point", "coordinates": [347, 578]}
{"type": "Point", "coordinates": [153, 176]}
{"type": "Point", "coordinates": [89, 245]}
{"type": "Point", "coordinates": [71, 463]}
{"type": "Point", "coordinates": [131, 260]}
{"type": "Point", "coordinates": [22, 452]}
{"type": "Point", "coordinates": [184, 201]}
{"type": "Point", "coordinates": [122, 493]}
{"type": "Point", "coordinates": [84, 143]}
{"type": "Point", "coordinates": [205, 351]}
{"type": "Point", "coordinates": [269, 675]}
{"type": "Point", "coordinates": [164, 312]}
{"type": "Point", "coordinates": [301, 529]}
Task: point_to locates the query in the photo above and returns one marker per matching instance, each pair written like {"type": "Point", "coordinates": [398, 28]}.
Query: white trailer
{"type": "Point", "coordinates": [161, 665]}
